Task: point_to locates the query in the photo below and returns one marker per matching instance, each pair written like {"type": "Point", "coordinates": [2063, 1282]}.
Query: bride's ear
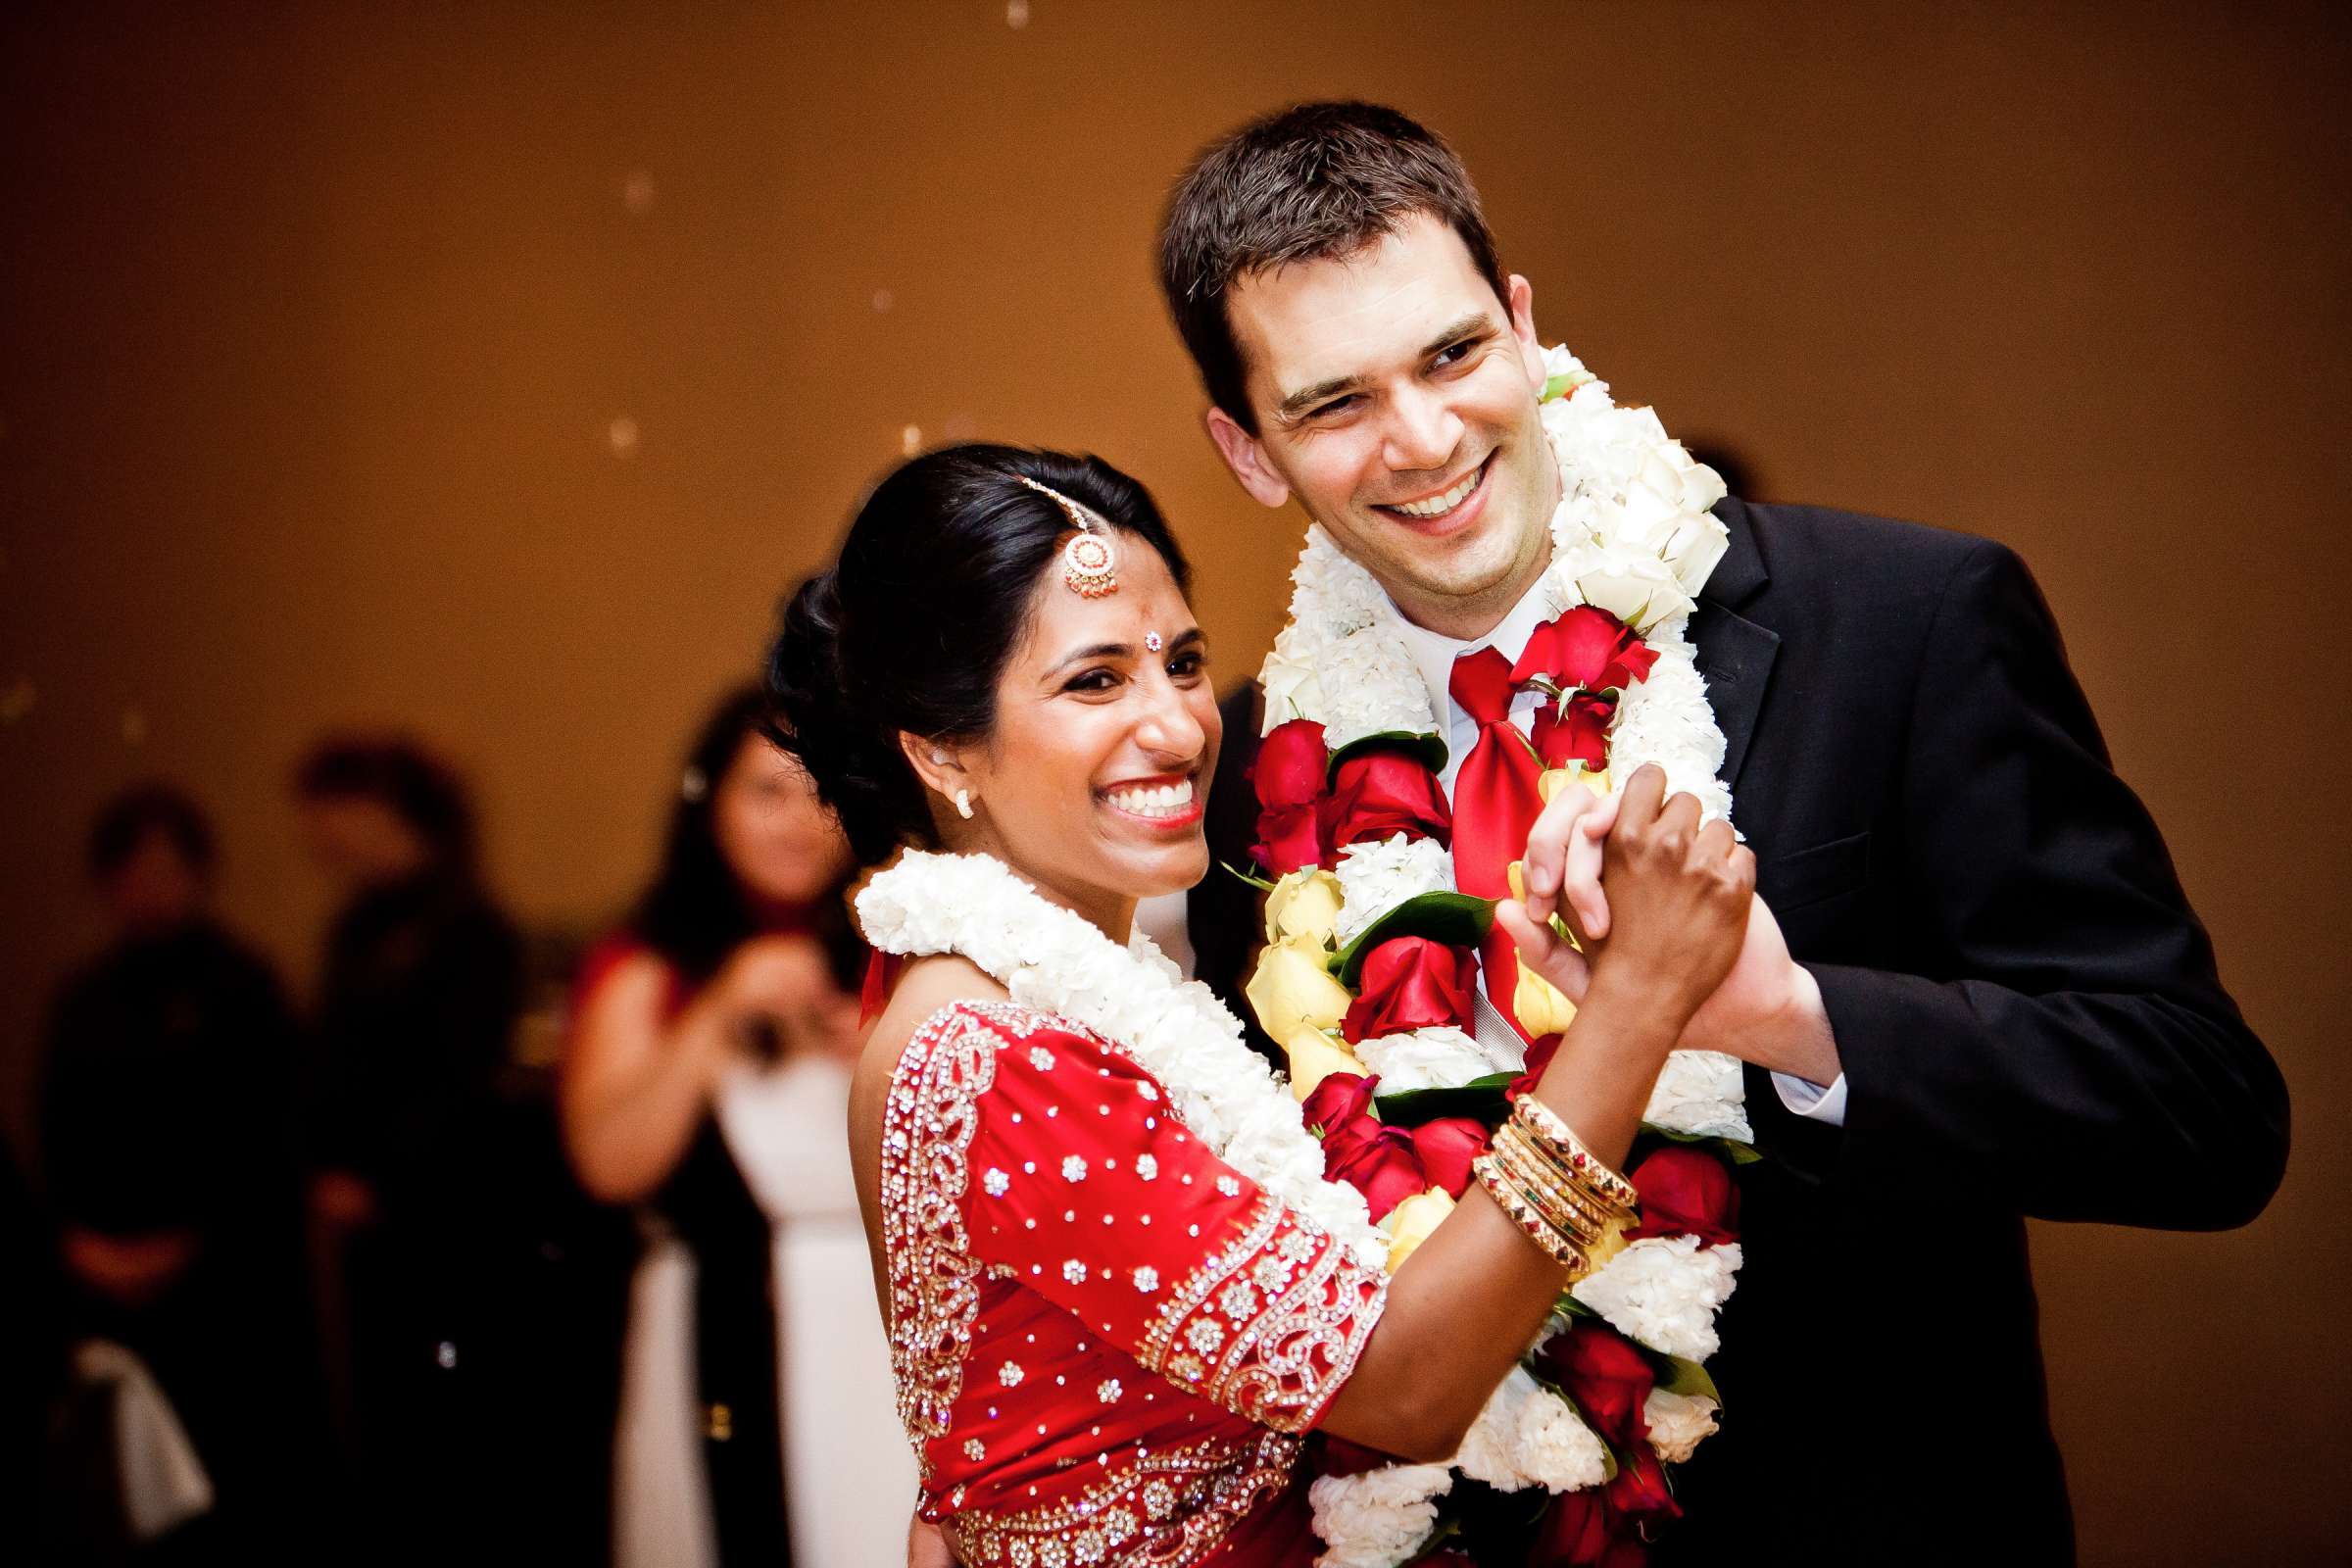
{"type": "Point", "coordinates": [1246, 458]}
{"type": "Point", "coordinates": [940, 767]}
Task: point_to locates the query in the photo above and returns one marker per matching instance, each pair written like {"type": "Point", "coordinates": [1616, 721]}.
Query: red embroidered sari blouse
{"type": "Point", "coordinates": [1108, 1342]}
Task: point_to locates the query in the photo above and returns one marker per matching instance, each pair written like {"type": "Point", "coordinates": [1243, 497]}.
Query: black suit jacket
{"type": "Point", "coordinates": [2026, 1008]}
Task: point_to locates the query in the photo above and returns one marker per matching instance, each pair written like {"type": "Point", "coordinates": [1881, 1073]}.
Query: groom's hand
{"type": "Point", "coordinates": [1768, 1011]}
{"type": "Point", "coordinates": [1561, 875]}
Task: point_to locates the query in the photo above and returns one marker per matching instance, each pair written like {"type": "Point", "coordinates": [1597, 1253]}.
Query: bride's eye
{"type": "Point", "coordinates": [1092, 681]}
{"type": "Point", "coordinates": [1188, 666]}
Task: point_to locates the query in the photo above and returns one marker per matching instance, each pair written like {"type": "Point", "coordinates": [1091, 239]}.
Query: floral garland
{"type": "Point", "coordinates": [1368, 980]}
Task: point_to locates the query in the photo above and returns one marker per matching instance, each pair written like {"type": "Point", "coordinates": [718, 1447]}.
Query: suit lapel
{"type": "Point", "coordinates": [1735, 654]}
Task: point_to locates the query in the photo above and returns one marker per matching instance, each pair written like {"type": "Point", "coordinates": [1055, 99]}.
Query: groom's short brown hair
{"type": "Point", "coordinates": [1303, 185]}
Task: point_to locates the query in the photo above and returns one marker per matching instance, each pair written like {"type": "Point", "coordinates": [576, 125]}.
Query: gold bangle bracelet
{"type": "Point", "coordinates": [1544, 1185]}
{"type": "Point", "coordinates": [1559, 1249]}
{"type": "Point", "coordinates": [1556, 1138]}
{"type": "Point", "coordinates": [1577, 1195]}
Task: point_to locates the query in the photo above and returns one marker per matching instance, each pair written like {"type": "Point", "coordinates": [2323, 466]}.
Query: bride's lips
{"type": "Point", "coordinates": [1464, 512]}
{"type": "Point", "coordinates": [1163, 802]}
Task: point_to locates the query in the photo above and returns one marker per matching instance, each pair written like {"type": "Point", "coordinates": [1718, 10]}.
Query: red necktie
{"type": "Point", "coordinates": [1495, 805]}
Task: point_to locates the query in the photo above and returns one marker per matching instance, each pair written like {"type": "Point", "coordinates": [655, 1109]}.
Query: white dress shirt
{"type": "Point", "coordinates": [1434, 654]}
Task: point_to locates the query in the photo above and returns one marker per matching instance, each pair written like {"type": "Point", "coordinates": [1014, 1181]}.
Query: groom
{"type": "Point", "coordinates": [2001, 1003]}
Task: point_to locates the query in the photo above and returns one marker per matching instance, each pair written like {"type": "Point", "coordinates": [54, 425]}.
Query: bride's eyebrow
{"type": "Point", "coordinates": [1098, 651]}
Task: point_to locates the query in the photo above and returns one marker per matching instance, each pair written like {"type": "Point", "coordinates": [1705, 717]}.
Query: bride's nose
{"type": "Point", "coordinates": [1167, 727]}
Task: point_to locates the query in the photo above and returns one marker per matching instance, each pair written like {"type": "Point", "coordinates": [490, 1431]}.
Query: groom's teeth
{"type": "Point", "coordinates": [1162, 800]}
{"type": "Point", "coordinates": [1439, 506]}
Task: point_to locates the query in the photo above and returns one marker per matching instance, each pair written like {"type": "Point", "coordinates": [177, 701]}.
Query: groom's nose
{"type": "Point", "coordinates": [1423, 431]}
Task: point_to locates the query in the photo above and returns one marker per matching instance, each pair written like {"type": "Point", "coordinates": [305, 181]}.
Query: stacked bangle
{"type": "Point", "coordinates": [1570, 1211]}
{"type": "Point", "coordinates": [1557, 1141]}
{"type": "Point", "coordinates": [1522, 1209]}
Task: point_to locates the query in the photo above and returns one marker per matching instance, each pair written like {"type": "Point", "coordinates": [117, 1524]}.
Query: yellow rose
{"type": "Point", "coordinates": [1315, 1057]}
{"type": "Point", "coordinates": [1613, 1241]}
{"type": "Point", "coordinates": [1541, 1009]}
{"type": "Point", "coordinates": [1559, 778]}
{"type": "Point", "coordinates": [1293, 988]}
{"type": "Point", "coordinates": [1304, 903]}
{"type": "Point", "coordinates": [1414, 1218]}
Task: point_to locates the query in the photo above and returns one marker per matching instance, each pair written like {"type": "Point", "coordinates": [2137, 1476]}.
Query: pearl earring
{"type": "Point", "coordinates": [963, 803]}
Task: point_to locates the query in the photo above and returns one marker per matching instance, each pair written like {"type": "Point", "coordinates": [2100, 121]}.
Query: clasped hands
{"type": "Point", "coordinates": [1766, 1009]}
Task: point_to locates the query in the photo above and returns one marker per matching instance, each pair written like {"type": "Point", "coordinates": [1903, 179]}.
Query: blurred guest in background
{"type": "Point", "coordinates": [706, 1082]}
{"type": "Point", "coordinates": [418, 998]}
{"type": "Point", "coordinates": [166, 1156]}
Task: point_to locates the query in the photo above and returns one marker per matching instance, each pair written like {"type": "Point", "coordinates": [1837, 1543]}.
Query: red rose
{"type": "Point", "coordinates": [1608, 1378]}
{"type": "Point", "coordinates": [1290, 764]}
{"type": "Point", "coordinates": [1640, 1488]}
{"type": "Point", "coordinates": [1578, 733]}
{"type": "Point", "coordinates": [1539, 1058]}
{"type": "Point", "coordinates": [1588, 648]}
{"type": "Point", "coordinates": [1413, 983]}
{"type": "Point", "coordinates": [1581, 1532]}
{"type": "Point", "coordinates": [1687, 1192]}
{"type": "Point", "coordinates": [1381, 792]}
{"type": "Point", "coordinates": [1289, 838]}
{"type": "Point", "coordinates": [1446, 1148]}
{"type": "Point", "coordinates": [1380, 1165]}
{"type": "Point", "coordinates": [1335, 1105]}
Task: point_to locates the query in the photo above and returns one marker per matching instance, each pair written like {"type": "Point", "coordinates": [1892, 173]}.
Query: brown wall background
{"type": "Point", "coordinates": [318, 321]}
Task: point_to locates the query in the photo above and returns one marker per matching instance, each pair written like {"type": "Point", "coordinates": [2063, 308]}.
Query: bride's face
{"type": "Point", "coordinates": [1093, 782]}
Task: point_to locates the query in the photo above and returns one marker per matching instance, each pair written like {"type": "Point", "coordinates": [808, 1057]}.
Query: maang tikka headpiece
{"type": "Point", "coordinates": [1088, 567]}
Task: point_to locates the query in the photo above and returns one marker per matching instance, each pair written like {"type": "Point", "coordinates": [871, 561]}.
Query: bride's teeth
{"type": "Point", "coordinates": [1160, 800]}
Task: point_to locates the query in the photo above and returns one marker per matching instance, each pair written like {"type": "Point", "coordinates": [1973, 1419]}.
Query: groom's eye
{"type": "Point", "coordinates": [1334, 406]}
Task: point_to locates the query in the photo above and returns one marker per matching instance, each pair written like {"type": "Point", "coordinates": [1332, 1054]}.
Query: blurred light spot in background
{"type": "Point", "coordinates": [623, 433]}
{"type": "Point", "coordinates": [884, 298]}
{"type": "Point", "coordinates": [134, 726]}
{"type": "Point", "coordinates": [910, 440]}
{"type": "Point", "coordinates": [18, 700]}
{"type": "Point", "coordinates": [1016, 13]}
{"type": "Point", "coordinates": [637, 191]}
{"type": "Point", "coordinates": [960, 427]}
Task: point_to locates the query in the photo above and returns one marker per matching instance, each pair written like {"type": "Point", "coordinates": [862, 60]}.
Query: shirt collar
{"type": "Point", "coordinates": [1434, 653]}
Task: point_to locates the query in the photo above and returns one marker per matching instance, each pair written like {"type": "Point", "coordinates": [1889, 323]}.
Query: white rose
{"type": "Point", "coordinates": [1291, 687]}
{"type": "Point", "coordinates": [1375, 878]}
{"type": "Point", "coordinates": [1663, 1291]}
{"type": "Point", "coordinates": [1639, 590]}
{"type": "Point", "coordinates": [1677, 1423]}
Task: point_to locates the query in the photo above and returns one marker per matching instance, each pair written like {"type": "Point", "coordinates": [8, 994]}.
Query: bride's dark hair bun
{"type": "Point", "coordinates": [910, 628]}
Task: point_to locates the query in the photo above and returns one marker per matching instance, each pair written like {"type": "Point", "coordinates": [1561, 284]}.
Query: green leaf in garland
{"type": "Point", "coordinates": [1738, 1154]}
{"type": "Point", "coordinates": [1427, 750]}
{"type": "Point", "coordinates": [1686, 1378]}
{"type": "Point", "coordinates": [1480, 1098]}
{"type": "Point", "coordinates": [1454, 919]}
{"type": "Point", "coordinates": [1258, 882]}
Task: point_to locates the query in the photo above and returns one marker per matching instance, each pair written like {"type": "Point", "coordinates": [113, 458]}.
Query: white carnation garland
{"type": "Point", "coordinates": [1054, 961]}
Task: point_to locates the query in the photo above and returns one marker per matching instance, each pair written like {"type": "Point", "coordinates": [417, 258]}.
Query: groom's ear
{"type": "Point", "coordinates": [1247, 457]}
{"type": "Point", "coordinates": [1522, 305]}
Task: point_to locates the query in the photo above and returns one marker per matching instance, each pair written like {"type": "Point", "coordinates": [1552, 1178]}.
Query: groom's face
{"type": "Point", "coordinates": [1395, 397]}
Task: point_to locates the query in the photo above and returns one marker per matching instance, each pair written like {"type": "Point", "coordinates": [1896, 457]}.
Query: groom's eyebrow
{"type": "Point", "coordinates": [1475, 324]}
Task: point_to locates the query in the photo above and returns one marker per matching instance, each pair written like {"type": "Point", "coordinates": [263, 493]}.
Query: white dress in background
{"type": "Point", "coordinates": [850, 1480]}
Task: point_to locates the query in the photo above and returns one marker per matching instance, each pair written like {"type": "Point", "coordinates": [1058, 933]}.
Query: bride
{"type": "Point", "coordinates": [1119, 1294]}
